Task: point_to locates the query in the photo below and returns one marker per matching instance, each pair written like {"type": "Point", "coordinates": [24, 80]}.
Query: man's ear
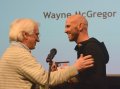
{"type": "Point", "coordinates": [24, 34]}
{"type": "Point", "coordinates": [80, 27]}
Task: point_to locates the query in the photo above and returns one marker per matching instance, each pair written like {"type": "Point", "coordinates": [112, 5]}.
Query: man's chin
{"type": "Point", "coordinates": [32, 48]}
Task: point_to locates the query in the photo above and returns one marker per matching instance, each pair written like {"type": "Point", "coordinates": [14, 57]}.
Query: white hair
{"type": "Point", "coordinates": [21, 25]}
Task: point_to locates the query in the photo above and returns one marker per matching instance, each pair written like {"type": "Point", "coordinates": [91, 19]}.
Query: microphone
{"type": "Point", "coordinates": [51, 55]}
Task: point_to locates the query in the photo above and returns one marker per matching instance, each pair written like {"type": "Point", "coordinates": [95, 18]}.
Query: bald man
{"type": "Point", "coordinates": [76, 27]}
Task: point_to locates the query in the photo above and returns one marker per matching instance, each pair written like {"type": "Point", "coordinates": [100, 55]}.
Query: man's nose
{"type": "Point", "coordinates": [37, 39]}
{"type": "Point", "coordinates": [65, 30]}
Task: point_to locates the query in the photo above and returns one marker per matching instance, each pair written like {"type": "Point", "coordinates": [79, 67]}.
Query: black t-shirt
{"type": "Point", "coordinates": [95, 77]}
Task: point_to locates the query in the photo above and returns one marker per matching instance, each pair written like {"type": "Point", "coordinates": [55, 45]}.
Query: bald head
{"type": "Point", "coordinates": [76, 28]}
{"type": "Point", "coordinates": [77, 19]}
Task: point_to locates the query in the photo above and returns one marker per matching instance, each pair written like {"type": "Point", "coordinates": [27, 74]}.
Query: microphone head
{"type": "Point", "coordinates": [53, 51]}
{"type": "Point", "coordinates": [51, 55]}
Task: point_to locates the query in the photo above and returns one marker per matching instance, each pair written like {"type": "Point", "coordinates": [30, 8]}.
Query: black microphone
{"type": "Point", "coordinates": [51, 55]}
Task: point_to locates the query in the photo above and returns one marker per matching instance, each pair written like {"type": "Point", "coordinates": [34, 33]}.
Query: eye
{"type": "Point", "coordinates": [67, 26]}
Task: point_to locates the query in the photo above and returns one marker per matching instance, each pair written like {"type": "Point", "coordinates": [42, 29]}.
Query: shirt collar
{"type": "Point", "coordinates": [77, 47]}
{"type": "Point", "coordinates": [19, 44]}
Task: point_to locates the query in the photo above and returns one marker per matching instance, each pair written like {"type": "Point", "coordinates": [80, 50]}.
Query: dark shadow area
{"type": "Point", "coordinates": [113, 81]}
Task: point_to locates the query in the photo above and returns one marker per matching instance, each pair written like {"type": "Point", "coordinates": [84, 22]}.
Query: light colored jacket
{"type": "Point", "coordinates": [19, 70]}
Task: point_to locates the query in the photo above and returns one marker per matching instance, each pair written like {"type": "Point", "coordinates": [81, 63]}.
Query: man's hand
{"type": "Point", "coordinates": [54, 67]}
{"type": "Point", "coordinates": [84, 62]}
